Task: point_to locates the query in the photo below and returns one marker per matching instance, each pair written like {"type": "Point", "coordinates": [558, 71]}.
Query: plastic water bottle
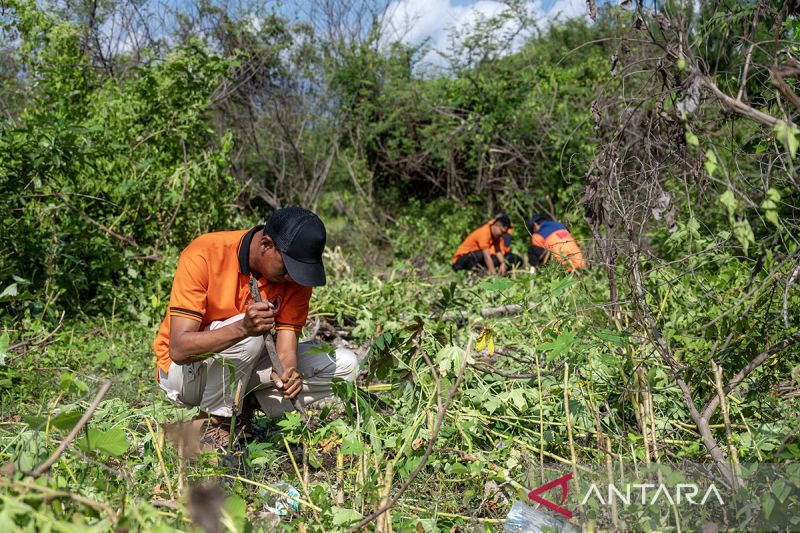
{"type": "Point", "coordinates": [280, 505]}
{"type": "Point", "coordinates": [524, 518]}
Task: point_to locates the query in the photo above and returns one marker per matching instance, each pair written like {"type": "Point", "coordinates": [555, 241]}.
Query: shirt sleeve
{"type": "Point", "coordinates": [294, 308]}
{"type": "Point", "coordinates": [537, 240]}
{"type": "Point", "coordinates": [190, 287]}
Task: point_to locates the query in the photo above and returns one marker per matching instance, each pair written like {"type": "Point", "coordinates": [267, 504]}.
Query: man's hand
{"type": "Point", "coordinates": [289, 384]}
{"type": "Point", "coordinates": [503, 269]}
{"type": "Point", "coordinates": [258, 319]}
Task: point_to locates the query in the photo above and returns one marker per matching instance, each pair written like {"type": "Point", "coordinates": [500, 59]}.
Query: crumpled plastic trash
{"type": "Point", "coordinates": [524, 518]}
{"type": "Point", "coordinates": [280, 504]}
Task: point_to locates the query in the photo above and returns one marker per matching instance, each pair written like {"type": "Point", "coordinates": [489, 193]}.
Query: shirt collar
{"type": "Point", "coordinates": [244, 250]}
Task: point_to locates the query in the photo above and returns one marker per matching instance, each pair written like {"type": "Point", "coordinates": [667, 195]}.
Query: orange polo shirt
{"type": "Point", "coordinates": [480, 239]}
{"type": "Point", "coordinates": [212, 283]}
{"type": "Point", "coordinates": [562, 247]}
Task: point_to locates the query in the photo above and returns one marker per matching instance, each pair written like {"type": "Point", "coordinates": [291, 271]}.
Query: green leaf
{"type": "Point", "coordinates": [773, 195]}
{"type": "Point", "coordinates": [34, 422]}
{"type": "Point", "coordinates": [4, 340]}
{"type": "Point", "coordinates": [744, 234]}
{"type": "Point", "coordinates": [772, 216]}
{"type": "Point", "coordinates": [518, 398]}
{"type": "Point", "coordinates": [767, 503]}
{"type": "Point", "coordinates": [496, 284]}
{"type": "Point", "coordinates": [711, 163]}
{"type": "Point", "coordinates": [450, 359]}
{"type": "Point", "coordinates": [770, 206]}
{"type": "Point", "coordinates": [561, 286]}
{"type": "Point", "coordinates": [788, 135]}
{"type": "Point", "coordinates": [343, 516]}
{"type": "Point", "coordinates": [235, 509]}
{"type": "Point", "coordinates": [611, 336]}
{"type": "Point", "coordinates": [728, 200]}
{"type": "Point", "coordinates": [291, 420]}
{"type": "Point", "coordinates": [111, 442]}
{"type": "Point", "coordinates": [66, 421]}
{"type": "Point", "coordinates": [691, 139]}
{"type": "Point", "coordinates": [492, 404]}
{"type": "Point", "coordinates": [10, 291]}
{"type": "Point", "coordinates": [351, 446]}
{"type": "Point", "coordinates": [458, 468]}
{"type": "Point", "coordinates": [781, 490]}
{"type": "Point", "coordinates": [558, 346]}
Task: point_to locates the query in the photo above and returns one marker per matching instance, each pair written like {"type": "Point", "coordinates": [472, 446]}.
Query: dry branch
{"type": "Point", "coordinates": [737, 105]}
{"type": "Point", "coordinates": [789, 69]}
{"type": "Point", "coordinates": [757, 361]}
{"type": "Point", "coordinates": [44, 467]}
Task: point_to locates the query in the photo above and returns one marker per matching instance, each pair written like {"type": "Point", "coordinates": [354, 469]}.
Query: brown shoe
{"type": "Point", "coordinates": [216, 432]}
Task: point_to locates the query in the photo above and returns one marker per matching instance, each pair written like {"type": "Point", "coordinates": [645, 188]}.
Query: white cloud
{"type": "Point", "coordinates": [414, 21]}
{"type": "Point", "coordinates": [564, 9]}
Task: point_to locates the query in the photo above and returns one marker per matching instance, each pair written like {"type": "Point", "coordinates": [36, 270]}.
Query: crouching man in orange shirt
{"type": "Point", "coordinates": [211, 342]}
{"type": "Point", "coordinates": [552, 239]}
{"type": "Point", "coordinates": [483, 248]}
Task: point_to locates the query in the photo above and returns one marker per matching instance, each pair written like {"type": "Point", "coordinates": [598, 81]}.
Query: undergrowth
{"type": "Point", "coordinates": [506, 420]}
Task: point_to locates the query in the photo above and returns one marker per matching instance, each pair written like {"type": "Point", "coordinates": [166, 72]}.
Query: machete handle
{"type": "Point", "coordinates": [277, 367]}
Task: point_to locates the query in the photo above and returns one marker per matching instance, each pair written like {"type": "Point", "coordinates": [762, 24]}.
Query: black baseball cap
{"type": "Point", "coordinates": [299, 235]}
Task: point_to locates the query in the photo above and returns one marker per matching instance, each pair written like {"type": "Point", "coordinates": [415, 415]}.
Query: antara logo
{"type": "Point", "coordinates": [560, 482]}
{"type": "Point", "coordinates": [684, 493]}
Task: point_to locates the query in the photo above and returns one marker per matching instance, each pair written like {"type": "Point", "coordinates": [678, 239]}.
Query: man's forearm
{"type": "Point", "coordinates": [191, 346]}
{"type": "Point", "coordinates": [286, 346]}
{"type": "Point", "coordinates": [487, 259]}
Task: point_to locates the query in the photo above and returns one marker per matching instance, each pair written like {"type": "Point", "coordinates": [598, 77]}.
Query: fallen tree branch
{"type": "Point", "coordinates": [486, 312]}
{"type": "Point", "coordinates": [44, 467]}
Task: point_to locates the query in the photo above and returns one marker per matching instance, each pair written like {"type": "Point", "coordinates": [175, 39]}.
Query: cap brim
{"type": "Point", "coordinates": [308, 274]}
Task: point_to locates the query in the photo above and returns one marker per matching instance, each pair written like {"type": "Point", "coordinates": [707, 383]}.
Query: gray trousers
{"type": "Point", "coordinates": [211, 383]}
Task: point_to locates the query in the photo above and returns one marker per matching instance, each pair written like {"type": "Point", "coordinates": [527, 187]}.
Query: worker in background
{"type": "Point", "coordinates": [482, 249]}
{"type": "Point", "coordinates": [552, 239]}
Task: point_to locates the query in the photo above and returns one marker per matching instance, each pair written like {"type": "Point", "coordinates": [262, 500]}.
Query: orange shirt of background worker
{"type": "Point", "coordinates": [558, 241]}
